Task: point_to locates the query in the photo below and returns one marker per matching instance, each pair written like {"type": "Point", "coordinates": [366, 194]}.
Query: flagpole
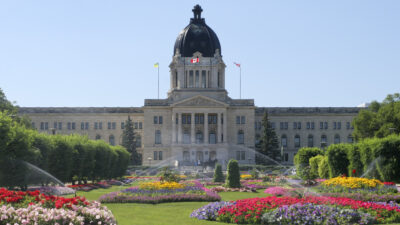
{"type": "Point", "coordinates": [240, 80]}
{"type": "Point", "coordinates": [158, 84]}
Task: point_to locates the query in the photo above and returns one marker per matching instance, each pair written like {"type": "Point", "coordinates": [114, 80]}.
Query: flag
{"type": "Point", "coordinates": [155, 65]}
{"type": "Point", "coordinates": [196, 60]}
{"type": "Point", "coordinates": [237, 64]}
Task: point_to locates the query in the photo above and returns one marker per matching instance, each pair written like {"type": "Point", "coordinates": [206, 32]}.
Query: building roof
{"type": "Point", "coordinates": [32, 110]}
{"type": "Point", "coordinates": [307, 110]}
{"type": "Point", "coordinates": [197, 37]}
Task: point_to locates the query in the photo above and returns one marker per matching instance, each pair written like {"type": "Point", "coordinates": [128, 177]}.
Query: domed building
{"type": "Point", "coordinates": [198, 124]}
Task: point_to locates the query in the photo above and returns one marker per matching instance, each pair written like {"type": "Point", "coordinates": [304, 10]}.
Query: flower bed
{"type": "Point", "coordinates": [356, 184]}
{"type": "Point", "coordinates": [32, 207]}
{"type": "Point", "coordinates": [190, 191]}
{"type": "Point", "coordinates": [315, 214]}
{"type": "Point", "coordinates": [158, 185]}
{"type": "Point", "coordinates": [256, 184]}
{"type": "Point", "coordinates": [209, 211]}
{"type": "Point", "coordinates": [366, 197]}
{"type": "Point", "coordinates": [247, 211]}
{"type": "Point", "coordinates": [245, 176]}
{"type": "Point", "coordinates": [277, 191]}
{"type": "Point", "coordinates": [225, 189]}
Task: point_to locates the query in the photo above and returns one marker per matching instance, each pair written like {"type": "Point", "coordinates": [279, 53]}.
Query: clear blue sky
{"type": "Point", "coordinates": [293, 53]}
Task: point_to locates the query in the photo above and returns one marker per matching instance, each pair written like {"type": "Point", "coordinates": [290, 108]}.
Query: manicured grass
{"type": "Point", "coordinates": [177, 213]}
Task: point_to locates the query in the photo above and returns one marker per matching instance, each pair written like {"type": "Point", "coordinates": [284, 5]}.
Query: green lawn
{"type": "Point", "coordinates": [165, 213]}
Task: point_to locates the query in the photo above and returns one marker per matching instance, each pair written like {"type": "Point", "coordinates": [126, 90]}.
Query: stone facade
{"type": "Point", "coordinates": [198, 123]}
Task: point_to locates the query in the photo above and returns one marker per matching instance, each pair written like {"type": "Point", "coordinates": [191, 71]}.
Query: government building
{"type": "Point", "coordinates": [198, 123]}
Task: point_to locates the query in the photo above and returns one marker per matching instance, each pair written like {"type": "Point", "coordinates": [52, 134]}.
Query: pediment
{"type": "Point", "coordinates": [199, 101]}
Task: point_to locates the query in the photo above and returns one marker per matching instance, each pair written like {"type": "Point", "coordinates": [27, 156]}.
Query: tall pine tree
{"type": "Point", "coordinates": [269, 145]}
{"type": "Point", "coordinates": [129, 142]}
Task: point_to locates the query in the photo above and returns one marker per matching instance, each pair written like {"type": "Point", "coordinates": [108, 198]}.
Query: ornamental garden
{"type": "Point", "coordinates": [55, 179]}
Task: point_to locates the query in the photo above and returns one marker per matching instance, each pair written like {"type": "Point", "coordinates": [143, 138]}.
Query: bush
{"type": "Point", "coordinates": [218, 176]}
{"type": "Point", "coordinates": [368, 159]}
{"type": "Point", "coordinates": [355, 162]}
{"type": "Point", "coordinates": [337, 159]}
{"type": "Point", "coordinates": [314, 162]}
{"type": "Point", "coordinates": [233, 174]}
{"type": "Point", "coordinates": [323, 168]}
{"type": "Point", "coordinates": [301, 159]}
{"type": "Point", "coordinates": [254, 174]}
{"type": "Point", "coordinates": [388, 153]}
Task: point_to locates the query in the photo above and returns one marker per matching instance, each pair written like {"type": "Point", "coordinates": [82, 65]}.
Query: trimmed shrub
{"type": "Point", "coordinates": [218, 176]}
{"type": "Point", "coordinates": [233, 174]}
{"type": "Point", "coordinates": [388, 154]}
{"type": "Point", "coordinates": [355, 162]}
{"type": "Point", "coordinates": [337, 159]}
{"type": "Point", "coordinates": [314, 162]}
{"type": "Point", "coordinates": [368, 158]}
{"type": "Point", "coordinates": [323, 168]}
{"type": "Point", "coordinates": [301, 159]}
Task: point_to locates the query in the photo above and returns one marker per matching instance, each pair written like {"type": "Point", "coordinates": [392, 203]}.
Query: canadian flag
{"type": "Point", "coordinates": [196, 60]}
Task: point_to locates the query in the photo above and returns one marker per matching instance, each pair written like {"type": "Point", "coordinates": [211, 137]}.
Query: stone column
{"type": "Point", "coordinates": [219, 130]}
{"type": "Point", "coordinates": [180, 128]}
{"type": "Point", "coordinates": [205, 128]}
{"type": "Point", "coordinates": [173, 128]}
{"type": "Point", "coordinates": [192, 134]}
{"type": "Point", "coordinates": [225, 128]}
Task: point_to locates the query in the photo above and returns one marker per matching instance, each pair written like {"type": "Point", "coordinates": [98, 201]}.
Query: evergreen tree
{"type": "Point", "coordinates": [129, 142]}
{"type": "Point", "coordinates": [268, 145]}
{"type": "Point", "coordinates": [218, 175]}
{"type": "Point", "coordinates": [233, 174]}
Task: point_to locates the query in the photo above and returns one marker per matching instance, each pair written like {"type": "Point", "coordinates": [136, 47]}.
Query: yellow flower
{"type": "Point", "coordinates": [245, 176]}
{"type": "Point", "coordinates": [352, 182]}
{"type": "Point", "coordinates": [160, 185]}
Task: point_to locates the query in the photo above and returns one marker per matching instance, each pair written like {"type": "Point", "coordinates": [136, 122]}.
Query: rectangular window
{"type": "Point", "coordinates": [308, 125]}
{"type": "Point", "coordinates": [334, 125]}
{"type": "Point", "coordinates": [295, 125]}
{"type": "Point", "coordinates": [41, 125]}
{"type": "Point", "coordinates": [272, 125]}
{"type": "Point", "coordinates": [160, 155]}
{"type": "Point", "coordinates": [87, 126]}
{"type": "Point", "coordinates": [82, 125]}
{"type": "Point", "coordinates": [33, 125]}
{"type": "Point", "coordinates": [286, 157]}
{"type": "Point", "coordinates": [339, 125]}
{"type": "Point", "coordinates": [191, 79]}
{"type": "Point", "coordinates": [326, 125]}
{"type": "Point", "coordinates": [160, 120]}
{"type": "Point", "coordinates": [312, 125]}
{"type": "Point", "coordinates": [183, 119]}
{"type": "Point", "coordinates": [321, 125]}
{"type": "Point", "coordinates": [122, 125]}
{"type": "Point", "coordinates": [155, 155]}
{"type": "Point", "coordinates": [243, 155]}
{"type": "Point", "coordinates": [243, 119]}
{"type": "Point", "coordinates": [155, 119]}
{"type": "Point", "coordinates": [299, 125]}
{"type": "Point", "coordinates": [114, 125]}
{"type": "Point", "coordinates": [100, 125]}
{"type": "Point", "coordinates": [60, 125]}
{"type": "Point", "coordinates": [109, 125]}
{"type": "Point", "coordinates": [140, 125]}
{"type": "Point", "coordinates": [69, 125]}
{"type": "Point", "coordinates": [55, 125]}
{"type": "Point", "coordinates": [203, 79]}
{"type": "Point", "coordinates": [237, 119]}
{"type": "Point", "coordinates": [197, 79]}
{"type": "Point", "coordinates": [46, 125]}
{"type": "Point", "coordinates": [73, 125]}
{"type": "Point", "coordinates": [96, 126]}
{"type": "Point", "coordinates": [348, 125]}
{"type": "Point", "coordinates": [136, 125]}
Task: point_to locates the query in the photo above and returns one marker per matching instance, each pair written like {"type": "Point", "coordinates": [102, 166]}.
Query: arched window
{"type": "Point", "coordinates": [284, 141]}
{"type": "Point", "coordinates": [324, 141]}
{"type": "Point", "coordinates": [199, 137]}
{"type": "Point", "coordinates": [199, 156]}
{"type": "Point", "coordinates": [98, 137]}
{"type": "Point", "coordinates": [186, 137]}
{"type": "Point", "coordinates": [138, 141]}
{"type": "Point", "coordinates": [111, 139]}
{"type": "Point", "coordinates": [240, 137]}
{"type": "Point", "coordinates": [297, 141]}
{"type": "Point", "coordinates": [350, 139]}
{"type": "Point", "coordinates": [186, 156]}
{"type": "Point", "coordinates": [336, 140]}
{"type": "Point", "coordinates": [157, 139]}
{"type": "Point", "coordinates": [310, 141]}
{"type": "Point", "coordinates": [212, 138]}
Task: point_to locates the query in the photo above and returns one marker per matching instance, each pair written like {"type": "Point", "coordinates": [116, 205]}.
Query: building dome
{"type": "Point", "coordinates": [197, 37]}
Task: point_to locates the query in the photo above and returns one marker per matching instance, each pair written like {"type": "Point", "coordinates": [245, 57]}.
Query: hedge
{"type": "Point", "coordinates": [323, 168]}
{"type": "Point", "coordinates": [302, 157]}
{"type": "Point", "coordinates": [337, 159]}
{"type": "Point", "coordinates": [314, 163]}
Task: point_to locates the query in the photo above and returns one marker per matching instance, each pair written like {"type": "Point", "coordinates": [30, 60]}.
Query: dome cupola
{"type": "Point", "coordinates": [197, 37]}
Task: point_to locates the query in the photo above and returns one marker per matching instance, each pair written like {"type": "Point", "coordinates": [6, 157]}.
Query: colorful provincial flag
{"type": "Point", "coordinates": [155, 65]}
{"type": "Point", "coordinates": [196, 60]}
